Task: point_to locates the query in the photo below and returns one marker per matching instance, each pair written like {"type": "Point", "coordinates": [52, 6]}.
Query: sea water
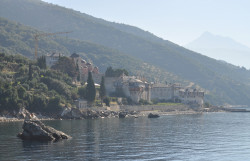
{"type": "Point", "coordinates": [211, 136]}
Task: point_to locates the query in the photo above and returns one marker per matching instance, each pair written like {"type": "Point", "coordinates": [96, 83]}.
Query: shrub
{"type": "Point", "coordinates": [54, 105]}
{"type": "Point", "coordinates": [143, 102]}
{"type": "Point", "coordinates": [82, 92]}
{"type": "Point", "coordinates": [39, 103]}
{"type": "Point", "coordinates": [60, 87]}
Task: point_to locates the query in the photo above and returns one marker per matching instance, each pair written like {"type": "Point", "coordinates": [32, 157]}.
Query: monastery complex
{"type": "Point", "coordinates": [137, 89]}
{"type": "Point", "coordinates": [133, 87]}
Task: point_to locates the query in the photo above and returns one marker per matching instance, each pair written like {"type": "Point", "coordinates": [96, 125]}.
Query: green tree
{"type": "Point", "coordinates": [39, 103]}
{"type": "Point", "coordinates": [82, 92]}
{"type": "Point", "coordinates": [90, 89]}
{"type": "Point", "coordinates": [110, 72]}
{"type": "Point", "coordinates": [21, 92]}
{"type": "Point", "coordinates": [30, 72]}
{"type": "Point", "coordinates": [41, 62]}
{"type": "Point", "coordinates": [102, 92]}
{"type": "Point", "coordinates": [53, 105]}
{"type": "Point", "coordinates": [66, 65]}
{"type": "Point", "coordinates": [59, 86]}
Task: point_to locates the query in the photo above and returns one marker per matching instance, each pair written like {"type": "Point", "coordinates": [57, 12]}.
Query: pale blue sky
{"type": "Point", "coordinates": [179, 21]}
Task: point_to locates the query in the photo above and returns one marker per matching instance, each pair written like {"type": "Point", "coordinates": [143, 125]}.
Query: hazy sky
{"type": "Point", "coordinates": [179, 21]}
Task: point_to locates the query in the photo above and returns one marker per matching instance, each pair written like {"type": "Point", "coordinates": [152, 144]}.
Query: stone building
{"type": "Point", "coordinates": [51, 59]}
{"type": "Point", "coordinates": [81, 103]}
{"type": "Point", "coordinates": [167, 92]}
{"type": "Point", "coordinates": [161, 92]}
{"type": "Point", "coordinates": [129, 86]}
{"type": "Point", "coordinates": [137, 89]}
{"type": "Point", "coordinates": [191, 96]}
{"type": "Point", "coordinates": [85, 67]}
{"type": "Point", "coordinates": [110, 84]}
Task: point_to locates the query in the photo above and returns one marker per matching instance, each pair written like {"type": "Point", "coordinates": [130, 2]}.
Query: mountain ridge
{"type": "Point", "coordinates": [216, 77]}
{"type": "Point", "coordinates": [97, 54]}
{"type": "Point", "coordinates": [220, 47]}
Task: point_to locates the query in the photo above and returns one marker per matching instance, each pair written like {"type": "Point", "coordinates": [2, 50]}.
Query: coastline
{"type": "Point", "coordinates": [7, 119]}
{"type": "Point", "coordinates": [128, 111]}
{"type": "Point", "coordinates": [128, 114]}
{"type": "Point", "coordinates": [15, 119]}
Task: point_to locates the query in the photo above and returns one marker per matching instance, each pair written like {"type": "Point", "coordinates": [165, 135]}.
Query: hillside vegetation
{"type": "Point", "coordinates": [16, 38]}
{"type": "Point", "coordinates": [224, 83]}
{"type": "Point", "coordinates": [24, 85]}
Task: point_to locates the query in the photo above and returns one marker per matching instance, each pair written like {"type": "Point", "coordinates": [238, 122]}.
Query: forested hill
{"type": "Point", "coordinates": [225, 82]}
{"type": "Point", "coordinates": [16, 38]}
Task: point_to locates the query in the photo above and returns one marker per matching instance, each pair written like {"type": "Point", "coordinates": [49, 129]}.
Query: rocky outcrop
{"type": "Point", "coordinates": [25, 114]}
{"type": "Point", "coordinates": [122, 114]}
{"type": "Point", "coordinates": [74, 113]}
{"type": "Point", "coordinates": [71, 113]}
{"type": "Point", "coordinates": [36, 130]}
{"type": "Point", "coordinates": [151, 115]}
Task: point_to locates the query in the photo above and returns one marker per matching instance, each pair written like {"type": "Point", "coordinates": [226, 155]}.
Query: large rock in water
{"type": "Point", "coordinates": [36, 130]}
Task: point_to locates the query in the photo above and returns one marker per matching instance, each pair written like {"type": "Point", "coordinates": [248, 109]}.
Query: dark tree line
{"type": "Point", "coordinates": [41, 62]}
{"type": "Point", "coordinates": [66, 65]}
{"type": "Point", "coordinates": [110, 72]}
{"type": "Point", "coordinates": [90, 89]}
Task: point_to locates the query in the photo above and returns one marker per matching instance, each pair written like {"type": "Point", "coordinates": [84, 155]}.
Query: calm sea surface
{"type": "Point", "coordinates": [214, 136]}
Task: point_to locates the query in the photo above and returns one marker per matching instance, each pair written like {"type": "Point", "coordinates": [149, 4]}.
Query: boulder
{"type": "Point", "coordinates": [153, 115]}
{"type": "Point", "coordinates": [36, 130]}
{"type": "Point", "coordinates": [122, 114]}
{"type": "Point", "coordinates": [76, 113]}
{"type": "Point", "coordinates": [71, 113]}
{"type": "Point", "coordinates": [90, 114]}
{"type": "Point", "coordinates": [66, 113]}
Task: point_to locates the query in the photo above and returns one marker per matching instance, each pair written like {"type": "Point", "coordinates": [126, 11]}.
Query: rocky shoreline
{"type": "Point", "coordinates": [73, 113]}
{"type": "Point", "coordinates": [70, 114]}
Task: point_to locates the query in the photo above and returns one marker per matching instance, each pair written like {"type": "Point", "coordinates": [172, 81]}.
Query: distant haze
{"type": "Point", "coordinates": [221, 48]}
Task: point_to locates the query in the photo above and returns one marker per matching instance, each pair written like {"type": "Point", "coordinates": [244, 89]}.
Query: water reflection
{"type": "Point", "coordinates": [177, 137]}
{"type": "Point", "coordinates": [29, 145]}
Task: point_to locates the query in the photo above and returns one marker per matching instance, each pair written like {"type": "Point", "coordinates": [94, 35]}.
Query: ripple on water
{"type": "Point", "coordinates": [218, 136]}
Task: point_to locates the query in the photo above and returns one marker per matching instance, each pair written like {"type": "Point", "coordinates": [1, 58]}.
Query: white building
{"type": "Point", "coordinates": [51, 59]}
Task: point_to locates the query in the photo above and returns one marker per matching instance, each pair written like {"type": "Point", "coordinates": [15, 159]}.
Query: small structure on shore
{"type": "Point", "coordinates": [36, 130]}
{"type": "Point", "coordinates": [81, 103]}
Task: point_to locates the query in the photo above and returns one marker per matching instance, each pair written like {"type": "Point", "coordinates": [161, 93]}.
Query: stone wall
{"type": "Point", "coordinates": [165, 93]}
{"type": "Point", "coordinates": [109, 84]}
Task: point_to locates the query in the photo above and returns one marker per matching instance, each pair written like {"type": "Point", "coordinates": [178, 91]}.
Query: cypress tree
{"type": "Point", "coordinates": [30, 72]}
{"type": "Point", "coordinates": [102, 92]}
{"type": "Point", "coordinates": [90, 89]}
